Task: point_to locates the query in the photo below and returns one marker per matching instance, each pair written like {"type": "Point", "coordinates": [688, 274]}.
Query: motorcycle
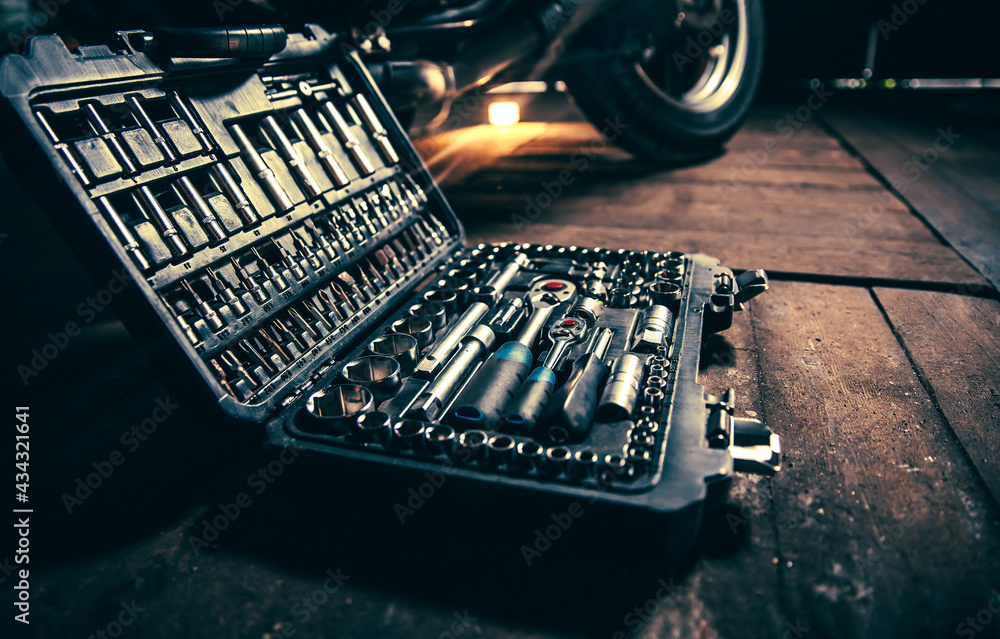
{"type": "Point", "coordinates": [681, 73]}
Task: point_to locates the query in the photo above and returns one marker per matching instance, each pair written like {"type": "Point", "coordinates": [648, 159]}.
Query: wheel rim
{"type": "Point", "coordinates": [707, 81]}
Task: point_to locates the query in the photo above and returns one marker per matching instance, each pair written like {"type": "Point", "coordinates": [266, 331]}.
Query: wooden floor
{"type": "Point", "coordinates": [875, 355]}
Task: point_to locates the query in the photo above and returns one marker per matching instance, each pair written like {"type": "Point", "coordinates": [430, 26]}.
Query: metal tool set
{"type": "Point", "coordinates": [296, 266]}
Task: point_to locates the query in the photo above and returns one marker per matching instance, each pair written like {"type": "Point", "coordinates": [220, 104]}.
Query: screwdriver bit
{"type": "Point", "coordinates": [318, 314]}
{"type": "Point", "coordinates": [249, 283]}
{"type": "Point", "coordinates": [229, 296]}
{"type": "Point", "coordinates": [303, 249]}
{"type": "Point", "coordinates": [351, 285]}
{"type": "Point", "coordinates": [275, 345]}
{"type": "Point", "coordinates": [223, 377]}
{"type": "Point", "coordinates": [251, 351]}
{"type": "Point", "coordinates": [279, 327]}
{"type": "Point", "coordinates": [301, 321]}
{"type": "Point", "coordinates": [290, 262]}
{"type": "Point", "coordinates": [207, 312]}
{"type": "Point", "coordinates": [272, 273]}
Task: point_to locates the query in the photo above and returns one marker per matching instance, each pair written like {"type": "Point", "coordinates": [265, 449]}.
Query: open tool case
{"type": "Point", "coordinates": [296, 267]}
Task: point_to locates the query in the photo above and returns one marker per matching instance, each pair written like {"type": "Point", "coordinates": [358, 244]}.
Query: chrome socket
{"type": "Point", "coordinates": [336, 409]}
{"type": "Point", "coordinates": [440, 439]}
{"type": "Point", "coordinates": [374, 427]}
{"type": "Point", "coordinates": [408, 434]}
{"type": "Point", "coordinates": [653, 397]}
{"type": "Point", "coordinates": [621, 390]}
{"type": "Point", "coordinates": [378, 373]}
{"type": "Point", "coordinates": [419, 327]}
{"type": "Point", "coordinates": [475, 442]}
{"type": "Point", "coordinates": [557, 459]}
{"type": "Point", "coordinates": [400, 347]}
{"type": "Point", "coordinates": [528, 456]}
{"type": "Point", "coordinates": [584, 465]}
{"type": "Point", "coordinates": [446, 297]}
{"type": "Point", "coordinates": [500, 449]}
{"type": "Point", "coordinates": [433, 311]}
{"type": "Point", "coordinates": [664, 293]}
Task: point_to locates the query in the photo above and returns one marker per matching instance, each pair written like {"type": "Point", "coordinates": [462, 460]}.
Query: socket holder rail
{"type": "Point", "coordinates": [306, 274]}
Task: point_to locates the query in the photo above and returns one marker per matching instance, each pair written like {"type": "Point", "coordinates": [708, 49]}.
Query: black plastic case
{"type": "Point", "coordinates": [276, 220]}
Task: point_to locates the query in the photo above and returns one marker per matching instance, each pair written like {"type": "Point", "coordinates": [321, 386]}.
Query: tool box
{"type": "Point", "coordinates": [296, 268]}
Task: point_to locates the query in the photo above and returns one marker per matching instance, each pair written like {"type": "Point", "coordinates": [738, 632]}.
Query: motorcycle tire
{"type": "Point", "coordinates": [686, 115]}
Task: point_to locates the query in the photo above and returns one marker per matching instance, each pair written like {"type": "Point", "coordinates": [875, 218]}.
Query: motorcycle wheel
{"type": "Point", "coordinates": [680, 101]}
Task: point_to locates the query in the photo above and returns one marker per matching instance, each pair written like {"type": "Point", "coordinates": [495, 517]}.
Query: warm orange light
{"type": "Point", "coordinates": [504, 113]}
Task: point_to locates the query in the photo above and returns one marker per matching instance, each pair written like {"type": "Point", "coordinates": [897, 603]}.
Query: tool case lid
{"type": "Point", "coordinates": [313, 67]}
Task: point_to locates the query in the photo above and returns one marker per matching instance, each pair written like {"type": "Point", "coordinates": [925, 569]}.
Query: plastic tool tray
{"type": "Point", "coordinates": [297, 267]}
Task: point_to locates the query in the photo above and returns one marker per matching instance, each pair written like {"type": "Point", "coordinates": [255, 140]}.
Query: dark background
{"type": "Point", "coordinates": [151, 503]}
{"type": "Point", "coordinates": [804, 40]}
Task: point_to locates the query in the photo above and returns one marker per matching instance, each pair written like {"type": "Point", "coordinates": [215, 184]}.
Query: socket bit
{"type": "Point", "coordinates": [346, 137]}
{"type": "Point", "coordinates": [229, 296]}
{"type": "Point", "coordinates": [194, 199]}
{"type": "Point", "coordinates": [656, 326]}
{"type": "Point", "coordinates": [621, 390]}
{"type": "Point", "coordinates": [228, 185]}
{"type": "Point", "coordinates": [260, 170]}
{"type": "Point", "coordinates": [129, 242]}
{"type": "Point", "coordinates": [316, 141]}
{"type": "Point", "coordinates": [272, 130]}
{"type": "Point", "coordinates": [207, 312]}
{"type": "Point", "coordinates": [162, 220]}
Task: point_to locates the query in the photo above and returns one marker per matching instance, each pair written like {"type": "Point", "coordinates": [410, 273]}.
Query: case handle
{"type": "Point", "coordinates": [212, 42]}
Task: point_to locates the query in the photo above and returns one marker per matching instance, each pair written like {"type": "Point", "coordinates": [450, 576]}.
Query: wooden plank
{"type": "Point", "coordinates": [583, 208]}
{"type": "Point", "coordinates": [802, 139]}
{"type": "Point", "coordinates": [755, 173]}
{"type": "Point", "coordinates": [954, 342]}
{"type": "Point", "coordinates": [884, 527]}
{"type": "Point", "coordinates": [967, 216]}
{"type": "Point", "coordinates": [744, 248]}
{"type": "Point", "coordinates": [454, 155]}
{"type": "Point", "coordinates": [649, 187]}
{"type": "Point", "coordinates": [737, 575]}
{"type": "Point", "coordinates": [831, 159]}
{"type": "Point", "coordinates": [789, 155]}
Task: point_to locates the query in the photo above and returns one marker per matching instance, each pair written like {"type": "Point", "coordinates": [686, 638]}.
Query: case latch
{"type": "Point", "coordinates": [755, 448]}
